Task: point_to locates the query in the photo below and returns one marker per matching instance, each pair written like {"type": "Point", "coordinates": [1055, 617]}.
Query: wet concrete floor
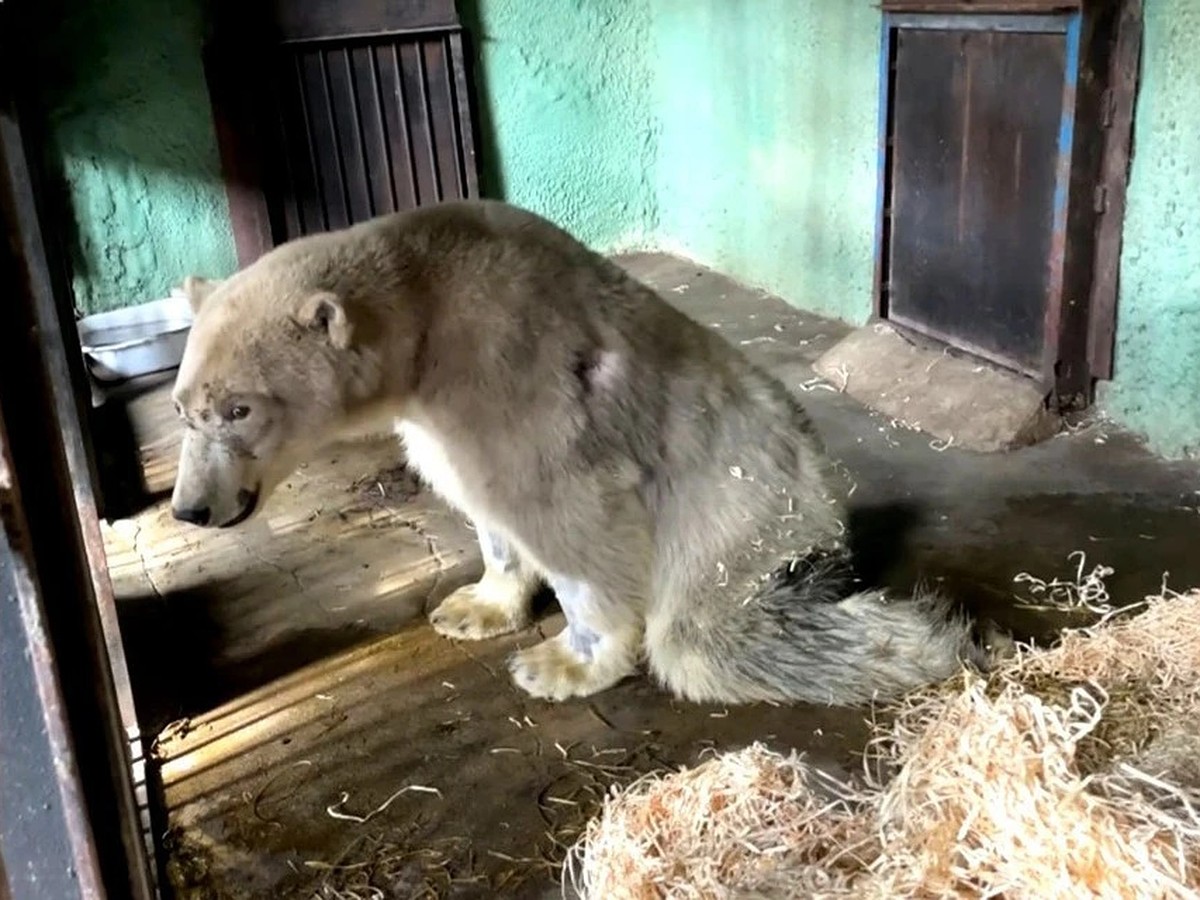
{"type": "Point", "coordinates": [251, 784]}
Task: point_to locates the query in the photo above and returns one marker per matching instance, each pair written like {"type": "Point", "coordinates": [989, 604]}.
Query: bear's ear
{"type": "Point", "coordinates": [197, 289]}
{"type": "Point", "coordinates": [325, 313]}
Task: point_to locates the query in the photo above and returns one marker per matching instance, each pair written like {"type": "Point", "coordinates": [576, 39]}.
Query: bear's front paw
{"type": "Point", "coordinates": [552, 670]}
{"type": "Point", "coordinates": [480, 611]}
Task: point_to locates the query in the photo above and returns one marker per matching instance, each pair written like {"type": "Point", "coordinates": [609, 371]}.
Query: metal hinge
{"type": "Point", "coordinates": [1100, 199]}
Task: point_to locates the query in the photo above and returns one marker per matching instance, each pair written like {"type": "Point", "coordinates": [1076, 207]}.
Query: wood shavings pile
{"type": "Point", "coordinates": [1068, 772]}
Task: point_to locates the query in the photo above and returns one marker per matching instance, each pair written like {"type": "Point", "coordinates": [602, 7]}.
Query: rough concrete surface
{"type": "Point", "coordinates": [283, 732]}
{"type": "Point", "coordinates": [569, 127]}
{"type": "Point", "coordinates": [131, 137]}
{"type": "Point", "coordinates": [959, 401]}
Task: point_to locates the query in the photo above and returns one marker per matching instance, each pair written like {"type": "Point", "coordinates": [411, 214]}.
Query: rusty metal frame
{"type": "Point", "coordinates": [45, 835]}
{"type": "Point", "coordinates": [68, 819]}
{"type": "Point", "coordinates": [1053, 346]}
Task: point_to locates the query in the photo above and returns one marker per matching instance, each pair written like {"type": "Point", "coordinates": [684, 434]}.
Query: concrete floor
{"type": "Point", "coordinates": [253, 774]}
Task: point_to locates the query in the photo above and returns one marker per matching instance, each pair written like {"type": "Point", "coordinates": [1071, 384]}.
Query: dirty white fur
{"type": "Point", "coordinates": [673, 494]}
{"type": "Point", "coordinates": [498, 603]}
{"type": "Point", "coordinates": [598, 648]}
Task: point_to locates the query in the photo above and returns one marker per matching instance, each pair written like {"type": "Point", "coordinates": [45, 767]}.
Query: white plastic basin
{"type": "Point", "coordinates": [137, 340]}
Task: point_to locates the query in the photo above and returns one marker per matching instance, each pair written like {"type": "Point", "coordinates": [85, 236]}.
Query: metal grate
{"type": "Point", "coordinates": [363, 128]}
{"type": "Point", "coordinates": [328, 114]}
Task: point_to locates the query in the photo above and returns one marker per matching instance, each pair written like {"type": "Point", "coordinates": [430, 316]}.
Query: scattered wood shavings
{"type": "Point", "coordinates": [1045, 778]}
{"type": "Point", "coordinates": [334, 810]}
{"type": "Point", "coordinates": [1087, 592]}
{"type": "Point", "coordinates": [817, 384]}
{"type": "Point", "coordinates": [844, 373]}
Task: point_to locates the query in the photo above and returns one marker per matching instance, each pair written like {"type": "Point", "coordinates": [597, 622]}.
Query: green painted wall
{"type": "Point", "coordinates": [739, 134]}
{"type": "Point", "coordinates": [1156, 386]}
{"type": "Point", "coordinates": [766, 160]}
{"type": "Point", "coordinates": [132, 137]}
{"type": "Point", "coordinates": [569, 120]}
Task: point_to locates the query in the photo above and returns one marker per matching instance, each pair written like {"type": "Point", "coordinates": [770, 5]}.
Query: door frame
{"type": "Point", "coordinates": [1098, 91]}
{"type": "Point", "coordinates": [74, 756]}
{"type": "Point", "coordinates": [69, 736]}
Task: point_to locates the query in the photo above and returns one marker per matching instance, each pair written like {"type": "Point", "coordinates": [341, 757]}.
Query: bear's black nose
{"type": "Point", "coordinates": [196, 516]}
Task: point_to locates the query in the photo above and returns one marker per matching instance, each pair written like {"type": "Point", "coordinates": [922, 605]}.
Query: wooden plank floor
{"type": "Point", "coordinates": [261, 791]}
{"type": "Point", "coordinates": [349, 549]}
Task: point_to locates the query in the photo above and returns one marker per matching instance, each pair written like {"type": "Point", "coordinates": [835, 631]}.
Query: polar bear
{"type": "Point", "coordinates": [673, 495]}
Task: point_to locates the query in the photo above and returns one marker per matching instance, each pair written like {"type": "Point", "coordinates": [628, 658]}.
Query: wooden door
{"type": "Point", "coordinates": [978, 131]}
{"type": "Point", "coordinates": [996, 116]}
{"type": "Point", "coordinates": [332, 113]}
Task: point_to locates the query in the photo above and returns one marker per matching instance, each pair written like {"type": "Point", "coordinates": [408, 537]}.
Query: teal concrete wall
{"type": "Point", "coordinates": [132, 138]}
{"type": "Point", "coordinates": [766, 165]}
{"type": "Point", "coordinates": [741, 135]}
{"type": "Point", "coordinates": [570, 123]}
{"type": "Point", "coordinates": [1156, 386]}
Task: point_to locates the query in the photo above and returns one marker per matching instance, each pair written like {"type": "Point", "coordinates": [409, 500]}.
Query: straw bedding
{"type": "Point", "coordinates": [1065, 772]}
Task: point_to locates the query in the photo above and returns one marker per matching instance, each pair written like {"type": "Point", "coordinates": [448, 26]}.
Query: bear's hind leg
{"type": "Point", "coordinates": [498, 603]}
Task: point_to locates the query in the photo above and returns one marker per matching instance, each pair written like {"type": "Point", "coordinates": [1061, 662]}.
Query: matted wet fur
{"type": "Point", "coordinates": [674, 495]}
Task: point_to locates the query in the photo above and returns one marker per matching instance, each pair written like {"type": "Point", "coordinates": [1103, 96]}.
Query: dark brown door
{"type": "Point", "coordinates": [332, 113]}
{"type": "Point", "coordinates": [975, 162]}
{"type": "Point", "coordinates": [1005, 139]}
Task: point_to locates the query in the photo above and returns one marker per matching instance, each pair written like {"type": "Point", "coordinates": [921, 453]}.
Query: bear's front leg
{"type": "Point", "coordinates": [599, 647]}
{"type": "Point", "coordinates": [498, 603]}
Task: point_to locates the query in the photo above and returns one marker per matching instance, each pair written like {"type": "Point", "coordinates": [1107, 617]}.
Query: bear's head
{"type": "Point", "coordinates": [273, 370]}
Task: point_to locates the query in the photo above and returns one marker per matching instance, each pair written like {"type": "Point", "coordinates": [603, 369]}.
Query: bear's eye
{"type": "Point", "coordinates": [239, 412]}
